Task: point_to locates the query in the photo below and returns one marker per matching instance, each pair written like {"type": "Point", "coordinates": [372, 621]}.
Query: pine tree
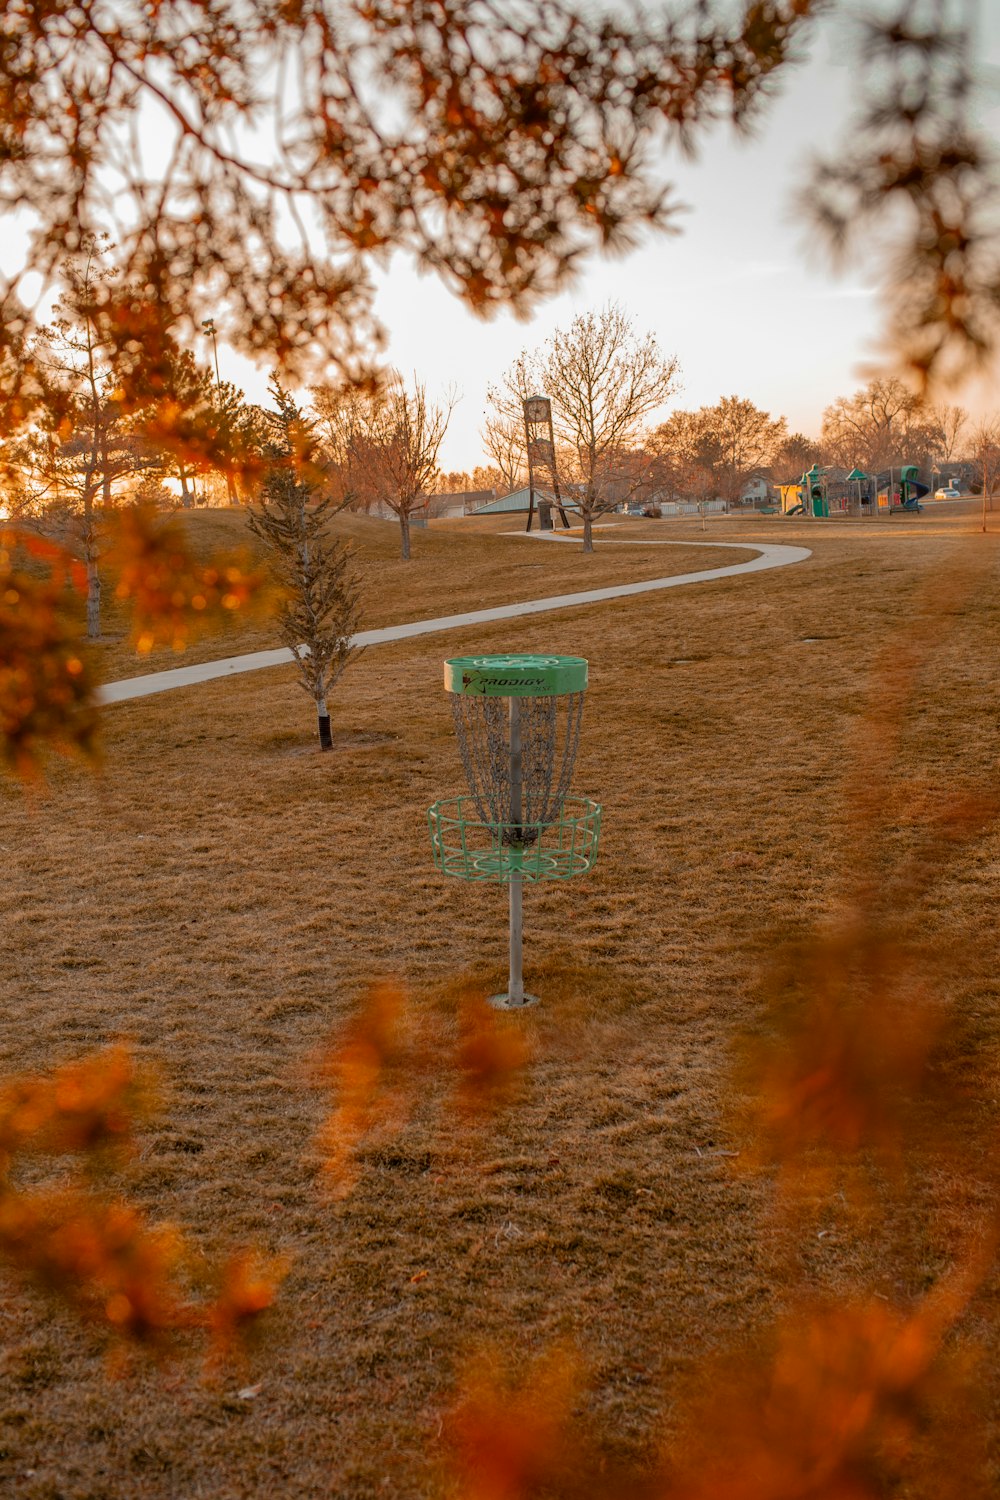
{"type": "Point", "coordinates": [321, 609]}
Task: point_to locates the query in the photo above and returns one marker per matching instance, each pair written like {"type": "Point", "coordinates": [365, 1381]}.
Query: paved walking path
{"type": "Point", "coordinates": [771, 555]}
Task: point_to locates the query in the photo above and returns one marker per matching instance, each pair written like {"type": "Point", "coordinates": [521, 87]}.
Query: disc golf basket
{"type": "Point", "coordinates": [518, 724]}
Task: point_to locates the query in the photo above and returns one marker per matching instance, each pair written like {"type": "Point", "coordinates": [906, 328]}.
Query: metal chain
{"type": "Point", "coordinates": [549, 742]}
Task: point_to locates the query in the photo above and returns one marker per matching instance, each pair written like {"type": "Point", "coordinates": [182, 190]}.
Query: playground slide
{"type": "Point", "coordinates": [909, 489]}
{"type": "Point", "coordinates": [912, 501]}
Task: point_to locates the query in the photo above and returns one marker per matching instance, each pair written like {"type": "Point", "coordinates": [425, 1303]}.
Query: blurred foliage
{"type": "Point", "coordinates": [522, 136]}
{"type": "Point", "coordinates": [172, 595]}
{"type": "Point", "coordinates": [47, 679]}
{"type": "Point", "coordinates": [88, 1246]}
{"type": "Point", "coordinates": [388, 1055]}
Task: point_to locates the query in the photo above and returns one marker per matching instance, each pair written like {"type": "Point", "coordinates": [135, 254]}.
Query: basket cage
{"type": "Point", "coordinates": [469, 849]}
{"type": "Point", "coordinates": [549, 729]}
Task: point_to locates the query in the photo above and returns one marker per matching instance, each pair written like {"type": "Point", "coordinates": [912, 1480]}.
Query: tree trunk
{"type": "Point", "coordinates": [588, 536]}
{"type": "Point", "coordinates": [323, 719]}
{"type": "Point", "coordinates": [187, 499]}
{"type": "Point", "coordinates": [404, 532]}
{"type": "Point", "coordinates": [93, 599]}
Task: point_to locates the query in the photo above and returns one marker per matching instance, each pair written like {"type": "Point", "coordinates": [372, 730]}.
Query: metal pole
{"type": "Point", "coordinates": [531, 468]}
{"type": "Point", "coordinates": [515, 985]}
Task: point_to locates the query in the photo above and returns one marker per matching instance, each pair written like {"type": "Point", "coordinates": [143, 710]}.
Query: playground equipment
{"type": "Point", "coordinates": [819, 494]}
{"type": "Point", "coordinates": [857, 477]}
{"type": "Point", "coordinates": [517, 719]}
{"type": "Point", "coordinates": [909, 494]}
{"type": "Point", "coordinates": [911, 491]}
{"type": "Point", "coordinates": [814, 492]}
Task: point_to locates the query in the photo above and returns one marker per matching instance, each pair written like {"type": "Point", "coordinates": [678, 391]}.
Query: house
{"type": "Point", "coordinates": [758, 489]}
{"type": "Point", "coordinates": [517, 502]}
{"type": "Point", "coordinates": [458, 502]}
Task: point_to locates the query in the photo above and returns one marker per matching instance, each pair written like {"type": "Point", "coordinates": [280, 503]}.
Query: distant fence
{"type": "Point", "coordinates": [692, 508]}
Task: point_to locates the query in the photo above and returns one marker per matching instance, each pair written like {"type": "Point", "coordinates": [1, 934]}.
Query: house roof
{"type": "Point", "coordinates": [518, 501]}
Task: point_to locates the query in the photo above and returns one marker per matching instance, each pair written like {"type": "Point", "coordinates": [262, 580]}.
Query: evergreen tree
{"type": "Point", "coordinates": [321, 609]}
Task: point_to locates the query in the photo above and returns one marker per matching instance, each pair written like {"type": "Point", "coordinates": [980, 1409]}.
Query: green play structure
{"type": "Point", "coordinates": [814, 488]}
{"type": "Point", "coordinates": [890, 492]}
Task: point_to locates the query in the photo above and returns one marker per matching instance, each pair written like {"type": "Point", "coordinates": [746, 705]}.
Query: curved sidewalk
{"type": "Point", "coordinates": [770, 555]}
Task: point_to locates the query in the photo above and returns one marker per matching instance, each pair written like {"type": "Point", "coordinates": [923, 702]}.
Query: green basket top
{"type": "Point", "coordinates": [515, 676]}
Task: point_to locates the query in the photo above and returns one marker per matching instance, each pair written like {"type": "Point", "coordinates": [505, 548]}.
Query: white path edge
{"type": "Point", "coordinates": [771, 555]}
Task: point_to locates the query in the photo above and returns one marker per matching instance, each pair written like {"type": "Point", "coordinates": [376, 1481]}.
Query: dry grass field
{"type": "Point", "coordinates": [450, 571]}
{"type": "Point", "coordinates": [222, 894]}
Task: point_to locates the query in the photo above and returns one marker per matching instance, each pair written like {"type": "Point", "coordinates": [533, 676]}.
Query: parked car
{"type": "Point", "coordinates": [947, 494]}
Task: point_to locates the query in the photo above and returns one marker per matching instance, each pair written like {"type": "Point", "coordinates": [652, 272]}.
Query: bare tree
{"type": "Point", "coordinates": [796, 453]}
{"type": "Point", "coordinates": [742, 437]}
{"type": "Point", "coordinates": [604, 381]}
{"type": "Point", "coordinates": [503, 429]}
{"type": "Point", "coordinates": [340, 413]}
{"type": "Point", "coordinates": [948, 424]}
{"type": "Point", "coordinates": [878, 427]}
{"type": "Point", "coordinates": [321, 609]}
{"type": "Point", "coordinates": [710, 453]}
{"type": "Point", "coordinates": [986, 447]}
{"type": "Point", "coordinates": [392, 445]}
{"type": "Point", "coordinates": [869, 429]}
{"type": "Point", "coordinates": [451, 482]}
{"type": "Point", "coordinates": [86, 446]}
{"type": "Point", "coordinates": [687, 457]}
{"type": "Point", "coordinates": [503, 439]}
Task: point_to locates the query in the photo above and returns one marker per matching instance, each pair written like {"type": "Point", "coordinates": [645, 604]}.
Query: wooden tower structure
{"type": "Point", "coordinates": [540, 444]}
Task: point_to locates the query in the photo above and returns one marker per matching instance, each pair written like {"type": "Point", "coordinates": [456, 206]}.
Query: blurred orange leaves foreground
{"type": "Point", "coordinates": [89, 1247]}
{"type": "Point", "coordinates": [510, 1439]}
{"type": "Point", "coordinates": [845, 1401]}
{"type": "Point", "coordinates": [388, 1055]}
{"type": "Point", "coordinates": [848, 1401]}
{"type": "Point", "coordinates": [47, 680]}
{"type": "Point", "coordinates": [854, 1062]}
{"type": "Point", "coordinates": [172, 594]}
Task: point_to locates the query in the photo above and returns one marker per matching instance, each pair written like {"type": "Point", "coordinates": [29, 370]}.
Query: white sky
{"type": "Point", "coordinates": [741, 297]}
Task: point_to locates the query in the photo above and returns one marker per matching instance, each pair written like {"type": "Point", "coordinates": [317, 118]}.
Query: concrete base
{"type": "Point", "coordinates": [504, 1002]}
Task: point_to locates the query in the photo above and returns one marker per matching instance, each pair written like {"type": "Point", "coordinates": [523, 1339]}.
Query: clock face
{"type": "Point", "coordinates": [537, 408]}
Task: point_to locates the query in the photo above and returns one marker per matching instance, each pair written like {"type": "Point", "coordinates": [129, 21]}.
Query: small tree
{"type": "Point", "coordinates": [321, 609]}
{"type": "Point", "coordinates": [392, 450]}
{"type": "Point", "coordinates": [986, 446]}
{"type": "Point", "coordinates": [947, 423]}
{"type": "Point", "coordinates": [794, 455]}
{"type": "Point", "coordinates": [503, 439]}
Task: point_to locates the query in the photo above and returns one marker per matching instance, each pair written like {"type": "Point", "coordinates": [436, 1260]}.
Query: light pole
{"type": "Point", "coordinates": [208, 327]}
